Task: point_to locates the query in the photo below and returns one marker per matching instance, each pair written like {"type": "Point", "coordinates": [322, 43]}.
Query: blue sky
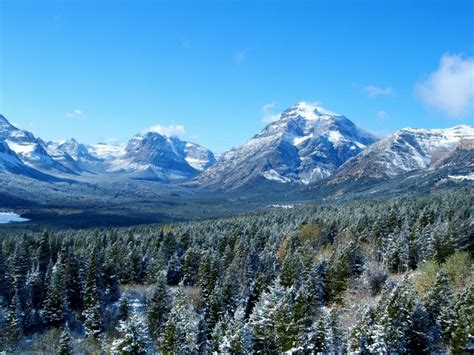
{"type": "Point", "coordinates": [213, 70]}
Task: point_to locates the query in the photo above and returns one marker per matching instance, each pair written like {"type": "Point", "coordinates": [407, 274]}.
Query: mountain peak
{"type": "Point", "coordinates": [309, 111]}
{"type": "Point", "coordinates": [4, 122]}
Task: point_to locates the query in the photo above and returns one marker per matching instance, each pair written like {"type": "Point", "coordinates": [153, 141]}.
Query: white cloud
{"type": "Point", "coordinates": [74, 113]}
{"type": "Point", "coordinates": [240, 56]}
{"type": "Point", "coordinates": [382, 116]}
{"type": "Point", "coordinates": [267, 115]}
{"type": "Point", "coordinates": [382, 133]}
{"type": "Point", "coordinates": [450, 88]}
{"type": "Point", "coordinates": [171, 130]}
{"type": "Point", "coordinates": [376, 91]}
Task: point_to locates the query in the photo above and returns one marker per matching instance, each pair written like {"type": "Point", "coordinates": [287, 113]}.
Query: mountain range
{"type": "Point", "coordinates": [307, 144]}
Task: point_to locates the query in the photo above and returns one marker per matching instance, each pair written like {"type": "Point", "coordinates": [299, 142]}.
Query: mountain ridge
{"type": "Point", "coordinates": [307, 144]}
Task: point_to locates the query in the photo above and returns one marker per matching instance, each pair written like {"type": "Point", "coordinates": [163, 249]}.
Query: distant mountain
{"type": "Point", "coordinates": [10, 162]}
{"type": "Point", "coordinates": [148, 155]}
{"type": "Point", "coordinates": [151, 155]}
{"type": "Point", "coordinates": [29, 149]}
{"type": "Point", "coordinates": [306, 144]}
{"type": "Point", "coordinates": [75, 156]}
{"type": "Point", "coordinates": [404, 151]}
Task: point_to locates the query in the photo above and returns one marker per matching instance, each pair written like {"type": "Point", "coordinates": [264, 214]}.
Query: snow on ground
{"type": "Point", "coordinates": [299, 140]}
{"type": "Point", "coordinates": [106, 151]}
{"type": "Point", "coordinates": [8, 217]}
{"type": "Point", "coordinates": [469, 177]}
{"type": "Point", "coordinates": [274, 176]}
{"type": "Point", "coordinates": [285, 207]}
{"type": "Point", "coordinates": [21, 148]}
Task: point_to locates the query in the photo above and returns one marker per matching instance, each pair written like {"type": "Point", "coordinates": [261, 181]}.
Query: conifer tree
{"type": "Point", "coordinates": [44, 254]}
{"type": "Point", "coordinates": [133, 337]}
{"type": "Point", "coordinates": [270, 320]}
{"type": "Point", "coordinates": [12, 328]}
{"type": "Point", "coordinates": [459, 327]}
{"type": "Point", "coordinates": [181, 329]}
{"type": "Point", "coordinates": [92, 309]}
{"type": "Point", "coordinates": [438, 298]}
{"type": "Point", "coordinates": [65, 341]}
{"type": "Point", "coordinates": [54, 304]}
{"type": "Point", "coordinates": [5, 280]}
{"type": "Point", "coordinates": [123, 309]}
{"type": "Point", "coordinates": [318, 336]}
{"type": "Point", "coordinates": [359, 334]}
{"type": "Point", "coordinates": [236, 337]}
{"type": "Point", "coordinates": [158, 307]}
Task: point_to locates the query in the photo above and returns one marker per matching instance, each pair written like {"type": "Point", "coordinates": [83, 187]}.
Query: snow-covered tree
{"type": "Point", "coordinates": [158, 307]}
{"type": "Point", "coordinates": [181, 329]}
{"type": "Point", "coordinates": [65, 341]}
{"type": "Point", "coordinates": [133, 337]}
{"type": "Point", "coordinates": [123, 309]}
{"type": "Point", "coordinates": [237, 337]}
{"type": "Point", "coordinates": [270, 320]}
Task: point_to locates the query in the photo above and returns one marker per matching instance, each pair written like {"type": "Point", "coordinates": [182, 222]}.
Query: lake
{"type": "Point", "coordinates": [9, 217]}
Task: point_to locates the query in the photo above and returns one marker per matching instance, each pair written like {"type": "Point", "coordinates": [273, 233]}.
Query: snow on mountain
{"type": "Point", "coordinates": [9, 161]}
{"type": "Point", "coordinates": [152, 155]}
{"type": "Point", "coordinates": [199, 157]}
{"type": "Point", "coordinates": [147, 155]}
{"type": "Point", "coordinates": [306, 144]}
{"type": "Point", "coordinates": [406, 150]}
{"type": "Point", "coordinates": [30, 149]}
{"type": "Point", "coordinates": [106, 151]}
{"type": "Point", "coordinates": [75, 156]}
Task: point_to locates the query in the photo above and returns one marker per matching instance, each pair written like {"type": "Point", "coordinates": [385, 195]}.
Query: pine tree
{"type": "Point", "coordinates": [54, 303]}
{"type": "Point", "coordinates": [12, 328]}
{"type": "Point", "coordinates": [92, 309]}
{"type": "Point", "coordinates": [270, 320]}
{"type": "Point", "coordinates": [438, 298]}
{"type": "Point", "coordinates": [133, 337]}
{"type": "Point", "coordinates": [306, 306]}
{"type": "Point", "coordinates": [292, 269]}
{"type": "Point", "coordinates": [173, 275]}
{"type": "Point", "coordinates": [181, 329]}
{"type": "Point", "coordinates": [158, 307]}
{"type": "Point", "coordinates": [334, 335]}
{"type": "Point", "coordinates": [72, 281]}
{"type": "Point", "coordinates": [5, 280]}
{"type": "Point", "coordinates": [44, 254]}
{"type": "Point", "coordinates": [459, 327]}
{"type": "Point", "coordinates": [393, 319]}
{"type": "Point", "coordinates": [123, 309]}
{"type": "Point", "coordinates": [109, 278]}
{"type": "Point", "coordinates": [318, 336]}
{"type": "Point", "coordinates": [359, 334]}
{"type": "Point", "coordinates": [65, 341]}
{"type": "Point", "coordinates": [237, 337]}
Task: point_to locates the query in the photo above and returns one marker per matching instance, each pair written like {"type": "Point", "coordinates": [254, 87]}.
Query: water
{"type": "Point", "coordinates": [9, 217]}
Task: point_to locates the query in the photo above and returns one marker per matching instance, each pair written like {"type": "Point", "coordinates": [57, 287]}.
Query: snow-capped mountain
{"type": "Point", "coordinates": [406, 150]}
{"type": "Point", "coordinates": [9, 161]}
{"type": "Point", "coordinates": [75, 156]}
{"type": "Point", "coordinates": [29, 149]}
{"type": "Point", "coordinates": [152, 155]}
{"type": "Point", "coordinates": [199, 157]}
{"type": "Point", "coordinates": [306, 144]}
{"type": "Point", "coordinates": [147, 155]}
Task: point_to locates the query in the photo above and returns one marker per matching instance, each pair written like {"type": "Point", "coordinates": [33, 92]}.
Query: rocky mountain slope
{"type": "Point", "coordinates": [152, 155]}
{"type": "Point", "coordinates": [404, 151]}
{"type": "Point", "coordinates": [147, 155]}
{"type": "Point", "coordinates": [306, 144]}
